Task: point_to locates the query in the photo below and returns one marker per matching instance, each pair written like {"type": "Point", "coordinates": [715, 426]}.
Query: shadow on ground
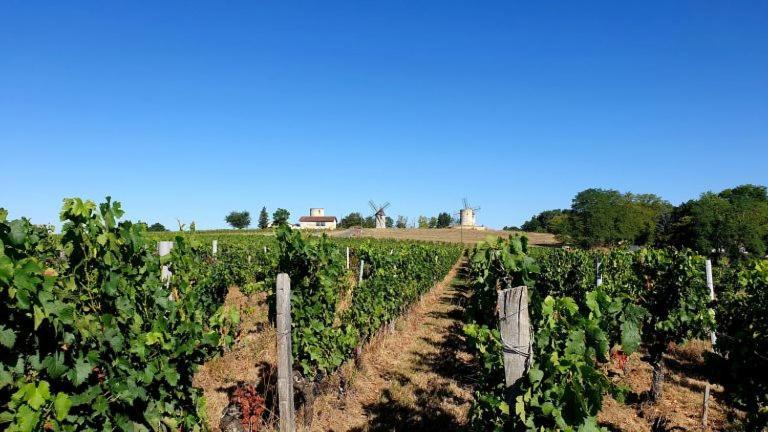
{"type": "Point", "coordinates": [425, 409]}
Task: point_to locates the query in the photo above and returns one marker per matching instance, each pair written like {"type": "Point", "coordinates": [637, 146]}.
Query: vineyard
{"type": "Point", "coordinates": [590, 310]}
{"type": "Point", "coordinates": [95, 337]}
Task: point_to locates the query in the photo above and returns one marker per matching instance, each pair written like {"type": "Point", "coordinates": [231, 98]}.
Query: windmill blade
{"type": "Point", "coordinates": [385, 206]}
{"type": "Point", "coordinates": [466, 203]}
{"type": "Point", "coordinates": [476, 208]}
{"type": "Point", "coordinates": [373, 205]}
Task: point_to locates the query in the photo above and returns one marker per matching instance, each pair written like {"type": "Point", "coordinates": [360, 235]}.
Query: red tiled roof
{"type": "Point", "coordinates": [317, 219]}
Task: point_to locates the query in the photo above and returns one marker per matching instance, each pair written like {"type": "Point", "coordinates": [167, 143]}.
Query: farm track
{"type": "Point", "coordinates": [415, 378]}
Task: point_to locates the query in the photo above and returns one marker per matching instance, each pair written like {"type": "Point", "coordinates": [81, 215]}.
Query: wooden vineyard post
{"type": "Point", "coordinates": [711, 286]}
{"type": "Point", "coordinates": [598, 274]}
{"type": "Point", "coordinates": [215, 247]}
{"type": "Point", "coordinates": [515, 330]}
{"type": "Point", "coordinates": [360, 277]}
{"type": "Point", "coordinates": [284, 360]}
{"type": "Point", "coordinates": [713, 339]}
{"type": "Point", "coordinates": [163, 249]}
{"type": "Point", "coordinates": [347, 257]}
{"type": "Point", "coordinates": [705, 408]}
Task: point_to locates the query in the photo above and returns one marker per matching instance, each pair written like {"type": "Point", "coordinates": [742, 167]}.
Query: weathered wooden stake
{"type": "Point", "coordinates": [265, 249]}
{"type": "Point", "coordinates": [163, 249]}
{"type": "Point", "coordinates": [360, 277]}
{"type": "Point", "coordinates": [705, 408]}
{"type": "Point", "coordinates": [284, 360]}
{"type": "Point", "coordinates": [215, 247]}
{"type": "Point", "coordinates": [347, 257]}
{"type": "Point", "coordinates": [515, 329]}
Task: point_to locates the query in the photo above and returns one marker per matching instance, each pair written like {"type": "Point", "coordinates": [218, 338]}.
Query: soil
{"type": "Point", "coordinates": [417, 377]}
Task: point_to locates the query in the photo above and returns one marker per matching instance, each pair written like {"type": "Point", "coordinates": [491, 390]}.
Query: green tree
{"type": "Point", "coordinates": [389, 222]}
{"type": "Point", "coordinates": [369, 222]}
{"type": "Point", "coordinates": [601, 217]}
{"type": "Point", "coordinates": [238, 219]}
{"type": "Point", "coordinates": [280, 217]}
{"type": "Point", "coordinates": [423, 222]}
{"type": "Point", "coordinates": [263, 218]}
{"type": "Point", "coordinates": [157, 227]}
{"type": "Point", "coordinates": [402, 222]}
{"type": "Point", "coordinates": [433, 222]}
{"type": "Point", "coordinates": [353, 219]}
{"type": "Point", "coordinates": [542, 222]}
{"type": "Point", "coordinates": [443, 220]}
{"type": "Point", "coordinates": [729, 223]}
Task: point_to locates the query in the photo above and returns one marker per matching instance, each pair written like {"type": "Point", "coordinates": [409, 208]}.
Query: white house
{"type": "Point", "coordinates": [317, 220]}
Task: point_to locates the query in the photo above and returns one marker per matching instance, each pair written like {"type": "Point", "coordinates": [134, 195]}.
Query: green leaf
{"type": "Point", "coordinates": [18, 232]}
{"type": "Point", "coordinates": [7, 337]}
{"type": "Point", "coordinates": [39, 396]}
{"type": "Point", "coordinates": [81, 372]}
{"type": "Point", "coordinates": [630, 337]}
{"type": "Point", "coordinates": [27, 419]}
{"type": "Point", "coordinates": [61, 406]}
{"type": "Point", "coordinates": [39, 316]}
{"type": "Point", "coordinates": [504, 408]}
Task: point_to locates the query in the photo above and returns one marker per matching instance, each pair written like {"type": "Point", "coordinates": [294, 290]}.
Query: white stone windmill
{"type": "Point", "coordinates": [378, 213]}
{"type": "Point", "coordinates": [467, 215]}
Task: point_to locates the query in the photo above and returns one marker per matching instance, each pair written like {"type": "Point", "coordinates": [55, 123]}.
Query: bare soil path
{"type": "Point", "coordinates": [415, 378]}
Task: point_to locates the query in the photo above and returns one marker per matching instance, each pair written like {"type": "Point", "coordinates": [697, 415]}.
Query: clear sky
{"type": "Point", "coordinates": [192, 109]}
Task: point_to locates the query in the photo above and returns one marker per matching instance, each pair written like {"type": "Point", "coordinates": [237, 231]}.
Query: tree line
{"type": "Point", "coordinates": [733, 222]}
{"type": "Point", "coordinates": [356, 219]}
{"type": "Point", "coordinates": [242, 219]}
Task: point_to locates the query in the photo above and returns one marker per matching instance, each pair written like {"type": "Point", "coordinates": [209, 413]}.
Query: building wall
{"type": "Point", "coordinates": [314, 225]}
{"type": "Point", "coordinates": [317, 211]}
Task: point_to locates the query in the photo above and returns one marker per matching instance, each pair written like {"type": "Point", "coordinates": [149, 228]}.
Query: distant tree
{"type": "Point", "coordinates": [353, 219]}
{"type": "Point", "coordinates": [729, 223]}
{"type": "Point", "coordinates": [423, 222]}
{"type": "Point", "coordinates": [238, 219]}
{"type": "Point", "coordinates": [369, 222]}
{"type": "Point", "coordinates": [192, 227]}
{"type": "Point", "coordinates": [280, 217]}
{"type": "Point", "coordinates": [433, 222]}
{"type": "Point", "coordinates": [510, 228]}
{"type": "Point", "coordinates": [389, 222]}
{"type": "Point", "coordinates": [263, 218]}
{"type": "Point", "coordinates": [402, 222]}
{"type": "Point", "coordinates": [443, 220]}
{"type": "Point", "coordinates": [542, 222]}
{"type": "Point", "coordinates": [601, 217]}
{"type": "Point", "coordinates": [157, 227]}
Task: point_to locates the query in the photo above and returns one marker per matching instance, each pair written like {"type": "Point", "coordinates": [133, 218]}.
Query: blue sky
{"type": "Point", "coordinates": [192, 109]}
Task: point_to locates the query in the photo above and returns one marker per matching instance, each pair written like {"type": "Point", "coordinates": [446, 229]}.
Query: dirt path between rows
{"type": "Point", "coordinates": [415, 378]}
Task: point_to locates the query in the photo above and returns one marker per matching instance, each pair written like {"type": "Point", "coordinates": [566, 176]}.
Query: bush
{"type": "Point", "coordinates": [91, 338]}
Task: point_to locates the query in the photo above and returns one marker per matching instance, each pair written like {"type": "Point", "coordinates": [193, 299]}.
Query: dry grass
{"type": "Point", "coordinates": [682, 398]}
{"type": "Point", "coordinates": [412, 378]}
{"type": "Point", "coordinates": [452, 235]}
{"type": "Point", "coordinates": [253, 355]}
